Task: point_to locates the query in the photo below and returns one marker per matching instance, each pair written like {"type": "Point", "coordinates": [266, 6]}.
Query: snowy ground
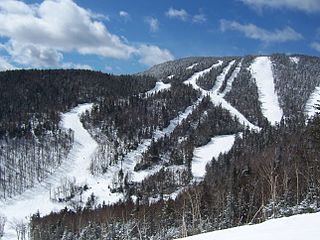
{"type": "Point", "coordinates": [298, 227]}
{"type": "Point", "coordinates": [261, 70]}
{"type": "Point", "coordinates": [158, 87]}
{"type": "Point", "coordinates": [75, 167]}
{"type": "Point", "coordinates": [204, 154]}
{"type": "Point", "coordinates": [314, 98]}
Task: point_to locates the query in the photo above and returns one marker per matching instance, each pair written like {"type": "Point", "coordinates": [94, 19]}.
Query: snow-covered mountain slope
{"type": "Point", "coordinates": [20, 208]}
{"type": "Point", "coordinates": [160, 86]}
{"type": "Point", "coordinates": [261, 70]}
{"type": "Point", "coordinates": [245, 88]}
{"type": "Point", "coordinates": [297, 227]}
{"type": "Point", "coordinates": [203, 155]}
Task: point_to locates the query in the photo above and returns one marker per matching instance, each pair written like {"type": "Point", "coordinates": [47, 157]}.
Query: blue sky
{"type": "Point", "coordinates": [121, 36]}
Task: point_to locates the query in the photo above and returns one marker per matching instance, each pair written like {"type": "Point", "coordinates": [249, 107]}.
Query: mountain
{"type": "Point", "coordinates": [188, 146]}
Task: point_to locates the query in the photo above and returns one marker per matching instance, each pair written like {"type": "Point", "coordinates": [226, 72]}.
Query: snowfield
{"type": "Point", "coordinates": [298, 227]}
{"type": "Point", "coordinates": [204, 154]}
{"type": "Point", "coordinates": [261, 71]}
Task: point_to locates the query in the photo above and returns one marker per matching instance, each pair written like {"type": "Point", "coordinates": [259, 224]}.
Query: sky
{"type": "Point", "coordinates": [123, 36]}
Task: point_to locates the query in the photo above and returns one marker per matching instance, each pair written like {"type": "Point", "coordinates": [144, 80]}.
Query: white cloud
{"type": "Point", "coordinates": [124, 15]}
{"type": "Point", "coordinates": [38, 35]}
{"type": "Point", "coordinates": [309, 6]}
{"type": "Point", "coordinates": [5, 65]}
{"type": "Point", "coordinates": [254, 32]}
{"type": "Point", "coordinates": [175, 13]}
{"type": "Point", "coordinates": [315, 46]}
{"type": "Point", "coordinates": [153, 23]}
{"type": "Point", "coordinates": [151, 55]}
{"type": "Point", "coordinates": [199, 18]}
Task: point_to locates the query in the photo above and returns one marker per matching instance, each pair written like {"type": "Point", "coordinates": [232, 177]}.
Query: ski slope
{"type": "Point", "coordinates": [261, 71]}
{"type": "Point", "coordinates": [21, 207]}
{"type": "Point", "coordinates": [217, 98]}
{"type": "Point", "coordinates": [314, 99]}
{"type": "Point", "coordinates": [192, 66]}
{"type": "Point", "coordinates": [298, 227]}
{"type": "Point", "coordinates": [204, 154]}
{"type": "Point", "coordinates": [160, 86]}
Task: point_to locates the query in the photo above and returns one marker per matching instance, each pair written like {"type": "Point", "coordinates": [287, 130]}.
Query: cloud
{"type": "Point", "coordinates": [151, 55]}
{"type": "Point", "coordinates": [257, 33]}
{"type": "Point", "coordinates": [315, 46]}
{"type": "Point", "coordinates": [175, 13]}
{"type": "Point", "coordinates": [308, 6]}
{"type": "Point", "coordinates": [153, 23]}
{"type": "Point", "coordinates": [124, 15]}
{"type": "Point", "coordinates": [38, 35]}
{"type": "Point", "coordinates": [5, 65]}
{"type": "Point", "coordinates": [199, 18]}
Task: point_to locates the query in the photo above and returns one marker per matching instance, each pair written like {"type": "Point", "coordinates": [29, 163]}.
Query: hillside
{"type": "Point", "coordinates": [188, 146]}
{"type": "Point", "coordinates": [298, 227]}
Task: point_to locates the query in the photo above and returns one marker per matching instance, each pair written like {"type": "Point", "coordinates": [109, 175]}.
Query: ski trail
{"type": "Point", "coordinates": [192, 66]}
{"type": "Point", "coordinates": [314, 99]}
{"type": "Point", "coordinates": [133, 157]}
{"type": "Point", "coordinates": [217, 99]}
{"type": "Point", "coordinates": [193, 79]}
{"type": "Point", "coordinates": [76, 165]}
{"type": "Point", "coordinates": [204, 154]}
{"type": "Point", "coordinates": [231, 79]}
{"type": "Point", "coordinates": [261, 71]}
{"type": "Point", "coordinates": [221, 77]}
{"type": "Point", "coordinates": [160, 86]}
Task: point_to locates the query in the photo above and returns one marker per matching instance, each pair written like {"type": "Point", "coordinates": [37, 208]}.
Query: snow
{"type": "Point", "coordinates": [314, 98]}
{"type": "Point", "coordinates": [215, 96]}
{"type": "Point", "coordinates": [170, 76]}
{"type": "Point", "coordinates": [261, 70]}
{"type": "Point", "coordinates": [305, 226]}
{"type": "Point", "coordinates": [135, 156]}
{"type": "Point", "coordinates": [221, 77]}
{"type": "Point", "coordinates": [204, 154]}
{"type": "Point", "coordinates": [193, 79]}
{"type": "Point", "coordinates": [231, 79]}
{"type": "Point", "coordinates": [294, 59]}
{"type": "Point", "coordinates": [192, 66]}
{"type": "Point", "coordinates": [160, 86]}
{"type": "Point", "coordinates": [77, 164]}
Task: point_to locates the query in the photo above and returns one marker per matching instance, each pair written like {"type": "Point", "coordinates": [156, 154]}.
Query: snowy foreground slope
{"type": "Point", "coordinates": [298, 227]}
